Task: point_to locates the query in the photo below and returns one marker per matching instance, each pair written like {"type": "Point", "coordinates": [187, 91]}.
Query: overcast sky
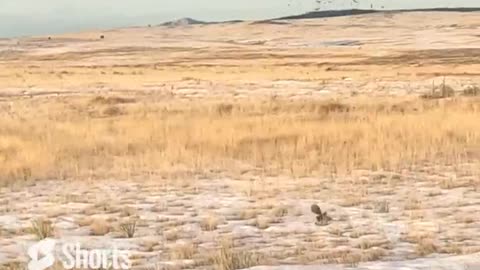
{"type": "Point", "coordinates": [38, 17]}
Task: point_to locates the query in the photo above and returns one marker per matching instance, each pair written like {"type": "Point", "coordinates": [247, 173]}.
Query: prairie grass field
{"type": "Point", "coordinates": [337, 143]}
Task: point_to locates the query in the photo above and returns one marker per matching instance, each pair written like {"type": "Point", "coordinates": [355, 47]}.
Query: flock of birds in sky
{"type": "Point", "coordinates": [324, 4]}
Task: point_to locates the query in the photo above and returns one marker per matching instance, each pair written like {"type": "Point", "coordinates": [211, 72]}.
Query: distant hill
{"type": "Point", "coordinates": [183, 22]}
{"type": "Point", "coordinates": [190, 21]}
{"type": "Point", "coordinates": [353, 12]}
{"type": "Point", "coordinates": [318, 14]}
{"type": "Point", "coordinates": [271, 22]}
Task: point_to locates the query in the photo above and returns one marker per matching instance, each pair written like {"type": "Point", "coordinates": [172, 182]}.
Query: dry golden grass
{"type": "Point", "coordinates": [22, 266]}
{"type": "Point", "coordinates": [149, 245]}
{"type": "Point", "coordinates": [342, 256]}
{"type": "Point", "coordinates": [279, 211]}
{"type": "Point", "coordinates": [229, 258]}
{"type": "Point", "coordinates": [262, 222]}
{"type": "Point", "coordinates": [247, 214]}
{"type": "Point", "coordinates": [183, 251]}
{"type": "Point", "coordinates": [381, 207]}
{"type": "Point", "coordinates": [426, 247]}
{"type": "Point", "coordinates": [100, 227]}
{"type": "Point", "coordinates": [74, 138]}
{"type": "Point", "coordinates": [209, 223]}
{"type": "Point", "coordinates": [42, 228]}
{"type": "Point", "coordinates": [171, 235]}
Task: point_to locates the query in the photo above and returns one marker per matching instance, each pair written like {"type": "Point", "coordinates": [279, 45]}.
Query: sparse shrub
{"type": "Point", "coordinates": [443, 91]}
{"type": "Point", "coordinates": [129, 228]}
{"type": "Point", "coordinates": [471, 91]}
{"type": "Point", "coordinates": [452, 249]}
{"type": "Point", "coordinates": [356, 234]}
{"type": "Point", "coordinates": [279, 211]}
{"type": "Point", "coordinates": [333, 107]}
{"type": "Point", "coordinates": [319, 108]}
{"type": "Point", "coordinates": [248, 214]}
{"type": "Point", "coordinates": [23, 173]}
{"type": "Point", "coordinates": [111, 100]}
{"type": "Point", "coordinates": [434, 193]}
{"type": "Point", "coordinates": [209, 223]}
{"type": "Point", "coordinates": [365, 244]}
{"type": "Point", "coordinates": [468, 220]}
{"type": "Point", "coordinates": [42, 228]}
{"type": "Point", "coordinates": [183, 251]}
{"type": "Point", "coordinates": [374, 254]}
{"type": "Point", "coordinates": [352, 259]}
{"type": "Point", "coordinates": [224, 109]}
{"type": "Point", "coordinates": [447, 91]}
{"type": "Point", "coordinates": [112, 111]}
{"type": "Point", "coordinates": [14, 266]}
{"type": "Point", "coordinates": [413, 203]}
{"type": "Point", "coordinates": [447, 183]}
{"type": "Point", "coordinates": [425, 247]}
{"type": "Point", "coordinates": [382, 207]}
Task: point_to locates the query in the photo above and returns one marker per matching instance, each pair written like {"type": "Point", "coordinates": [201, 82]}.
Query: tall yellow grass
{"type": "Point", "coordinates": [101, 137]}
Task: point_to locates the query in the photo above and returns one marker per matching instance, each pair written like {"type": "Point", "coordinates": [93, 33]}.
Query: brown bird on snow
{"type": "Point", "coordinates": [322, 217]}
